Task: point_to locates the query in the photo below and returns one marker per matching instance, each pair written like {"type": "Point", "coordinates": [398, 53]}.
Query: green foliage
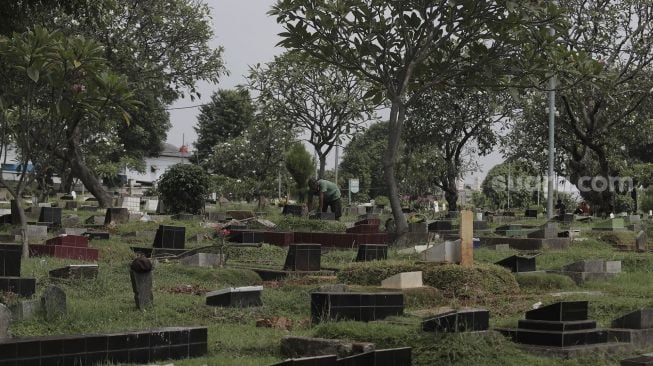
{"type": "Point", "coordinates": [301, 166]}
{"type": "Point", "coordinates": [623, 203]}
{"type": "Point", "coordinates": [225, 117]}
{"type": "Point", "coordinates": [183, 188]}
{"type": "Point", "coordinates": [544, 282]}
{"type": "Point", "coordinates": [517, 177]}
{"type": "Point", "coordinates": [295, 223]}
{"type": "Point", "coordinates": [381, 200]}
{"type": "Point", "coordinates": [646, 200]}
{"type": "Point", "coordinates": [453, 280]}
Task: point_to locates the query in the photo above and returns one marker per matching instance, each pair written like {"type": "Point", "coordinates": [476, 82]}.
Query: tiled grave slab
{"type": "Point", "coordinates": [560, 311]}
{"type": "Point", "coordinates": [130, 347]}
{"type": "Point", "coordinates": [355, 306]}
{"type": "Point", "coordinates": [76, 271]}
{"type": "Point", "coordinates": [236, 297]}
{"type": "Point", "coordinates": [638, 319]}
{"type": "Point", "coordinates": [10, 260]}
{"type": "Point", "coordinates": [295, 210]}
{"type": "Point", "coordinates": [25, 287]}
{"type": "Point", "coordinates": [60, 251]}
{"type": "Point", "coordinates": [469, 320]}
{"type": "Point", "coordinates": [371, 252]}
{"type": "Point", "coordinates": [303, 257]}
{"type": "Point", "coordinates": [517, 263]}
{"type": "Point", "coordinates": [51, 215]}
{"type": "Point", "coordinates": [282, 238]}
{"type": "Point", "coordinates": [69, 241]}
{"type": "Point", "coordinates": [172, 237]}
{"type": "Point", "coordinates": [247, 236]}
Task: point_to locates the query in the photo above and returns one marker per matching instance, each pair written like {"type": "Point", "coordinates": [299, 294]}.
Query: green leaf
{"type": "Point", "coordinates": [33, 74]}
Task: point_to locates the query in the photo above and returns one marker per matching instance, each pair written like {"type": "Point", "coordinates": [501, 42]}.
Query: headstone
{"type": "Point", "coordinates": [403, 280]}
{"type": "Point", "coordinates": [449, 251]}
{"type": "Point", "coordinates": [531, 213]}
{"type": "Point", "coordinates": [133, 204]}
{"type": "Point", "coordinates": [37, 232]}
{"type": "Point", "coordinates": [466, 238]}
{"type": "Point", "coordinates": [641, 242]}
{"type": "Point", "coordinates": [10, 260]}
{"type": "Point", "coordinates": [172, 237]}
{"type": "Point", "coordinates": [468, 320]}
{"type": "Point", "coordinates": [614, 224]}
{"type": "Point", "coordinates": [151, 205]}
{"type": "Point", "coordinates": [634, 219]}
{"type": "Point", "coordinates": [296, 210]}
{"type": "Point", "coordinates": [26, 309]}
{"type": "Point", "coordinates": [371, 252]}
{"type": "Point", "coordinates": [53, 302]}
{"type": "Point", "coordinates": [202, 260]}
{"type": "Point", "coordinates": [51, 215]}
{"type": "Point", "coordinates": [71, 205]}
{"type": "Point", "coordinates": [355, 306]}
{"type": "Point", "coordinates": [236, 297]}
{"type": "Point", "coordinates": [5, 322]}
{"type": "Point", "coordinates": [547, 231]}
{"type": "Point", "coordinates": [518, 263]}
{"type": "Point", "coordinates": [501, 247]}
{"type": "Point", "coordinates": [560, 311]}
{"type": "Point", "coordinates": [116, 215]}
{"type": "Point", "coordinates": [70, 221]}
{"type": "Point", "coordinates": [141, 279]}
{"type": "Point", "coordinates": [638, 319]}
{"type": "Point", "coordinates": [594, 266]}
{"type": "Point", "coordinates": [76, 271]}
{"type": "Point", "coordinates": [303, 257]}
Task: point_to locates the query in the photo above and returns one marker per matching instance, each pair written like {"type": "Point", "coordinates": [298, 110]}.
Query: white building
{"type": "Point", "coordinates": [157, 165]}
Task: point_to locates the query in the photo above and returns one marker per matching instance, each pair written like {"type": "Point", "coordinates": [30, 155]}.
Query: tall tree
{"type": "Point", "coordinates": [301, 166]}
{"type": "Point", "coordinates": [403, 48]}
{"type": "Point", "coordinates": [325, 101]}
{"type": "Point", "coordinates": [225, 117]}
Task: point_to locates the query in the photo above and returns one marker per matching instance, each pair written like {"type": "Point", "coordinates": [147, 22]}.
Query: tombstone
{"type": "Point", "coordinates": [37, 232]}
{"type": "Point", "coordinates": [151, 205]}
{"type": "Point", "coordinates": [616, 224]}
{"type": "Point", "coordinates": [449, 251]}
{"type": "Point", "coordinates": [70, 221]}
{"type": "Point", "coordinates": [51, 215]}
{"type": "Point", "coordinates": [638, 319]}
{"type": "Point", "coordinates": [10, 260]}
{"type": "Point", "coordinates": [530, 213]}
{"type": "Point", "coordinates": [303, 257]}
{"type": "Point", "coordinates": [357, 306]}
{"type": "Point", "coordinates": [518, 263]}
{"type": "Point", "coordinates": [634, 219]}
{"type": "Point", "coordinates": [403, 280]}
{"type": "Point", "coordinates": [295, 210]}
{"type": "Point", "coordinates": [371, 252]}
{"type": "Point", "coordinates": [5, 322]}
{"type": "Point", "coordinates": [26, 309]}
{"type": "Point", "coordinates": [641, 242]}
{"type": "Point", "coordinates": [469, 320]}
{"type": "Point", "coordinates": [467, 238]}
{"type": "Point", "coordinates": [547, 231]}
{"type": "Point", "coordinates": [53, 302]}
{"type": "Point", "coordinates": [171, 237]}
{"type": "Point", "coordinates": [132, 204]}
{"type": "Point", "coordinates": [239, 297]}
{"type": "Point", "coordinates": [440, 226]}
{"type": "Point", "coordinates": [44, 204]}
{"type": "Point", "coordinates": [564, 311]}
{"type": "Point", "coordinates": [76, 271]}
{"type": "Point", "coordinates": [141, 278]}
{"type": "Point", "coordinates": [328, 216]}
{"type": "Point", "coordinates": [94, 220]}
{"type": "Point", "coordinates": [202, 260]}
{"type": "Point", "coordinates": [116, 215]}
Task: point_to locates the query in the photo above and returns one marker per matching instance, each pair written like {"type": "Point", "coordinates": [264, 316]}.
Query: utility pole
{"type": "Point", "coordinates": [552, 111]}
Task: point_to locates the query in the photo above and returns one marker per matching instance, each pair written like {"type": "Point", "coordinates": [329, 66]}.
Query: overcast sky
{"type": "Point", "coordinates": [248, 36]}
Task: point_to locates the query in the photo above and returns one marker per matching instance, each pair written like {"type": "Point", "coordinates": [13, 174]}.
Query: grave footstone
{"type": "Point", "coordinates": [641, 242]}
{"type": "Point", "coordinates": [141, 279]}
{"type": "Point", "coordinates": [5, 322]}
{"type": "Point", "coordinates": [53, 302]}
{"type": "Point", "coordinates": [403, 280]}
{"type": "Point", "coordinates": [202, 260]}
{"type": "Point", "coordinates": [235, 297]}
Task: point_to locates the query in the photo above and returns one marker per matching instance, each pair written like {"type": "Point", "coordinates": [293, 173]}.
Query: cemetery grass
{"type": "Point", "coordinates": [106, 304]}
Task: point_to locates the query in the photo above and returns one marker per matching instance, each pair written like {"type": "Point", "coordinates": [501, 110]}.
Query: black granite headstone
{"type": "Point", "coordinates": [303, 257]}
{"type": "Point", "coordinates": [51, 215]}
{"type": "Point", "coordinates": [518, 263]}
{"type": "Point", "coordinates": [371, 252]}
{"type": "Point", "coordinates": [472, 320]}
{"type": "Point", "coordinates": [355, 306]}
{"type": "Point", "coordinates": [638, 319]}
{"type": "Point", "coordinates": [296, 210]}
{"type": "Point", "coordinates": [10, 260]}
{"type": "Point", "coordinates": [173, 237]}
{"type": "Point", "coordinates": [560, 311]}
{"type": "Point", "coordinates": [236, 297]}
{"type": "Point", "coordinates": [440, 226]}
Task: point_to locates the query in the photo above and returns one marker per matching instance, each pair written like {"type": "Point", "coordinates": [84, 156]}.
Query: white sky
{"type": "Point", "coordinates": [248, 36]}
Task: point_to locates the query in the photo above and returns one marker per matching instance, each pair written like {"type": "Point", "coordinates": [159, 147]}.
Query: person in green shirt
{"type": "Point", "coordinates": [329, 196]}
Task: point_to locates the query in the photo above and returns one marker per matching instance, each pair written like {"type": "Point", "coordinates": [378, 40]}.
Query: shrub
{"type": "Point", "coordinates": [452, 280]}
{"type": "Point", "coordinates": [295, 223]}
{"type": "Point", "coordinates": [544, 282]}
{"type": "Point", "coordinates": [183, 188]}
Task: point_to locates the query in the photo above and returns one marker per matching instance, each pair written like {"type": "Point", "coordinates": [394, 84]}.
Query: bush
{"type": "Point", "coordinates": [183, 188]}
{"type": "Point", "coordinates": [544, 282]}
{"type": "Point", "coordinates": [295, 223]}
{"type": "Point", "coordinates": [452, 280]}
{"type": "Point", "coordinates": [623, 203]}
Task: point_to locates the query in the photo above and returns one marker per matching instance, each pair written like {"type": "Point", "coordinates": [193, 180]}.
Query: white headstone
{"type": "Point", "coordinates": [403, 280]}
{"type": "Point", "coordinates": [449, 251]}
{"type": "Point", "coordinates": [133, 204]}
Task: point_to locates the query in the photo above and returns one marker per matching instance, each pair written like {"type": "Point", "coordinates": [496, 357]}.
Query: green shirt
{"type": "Point", "coordinates": [330, 189]}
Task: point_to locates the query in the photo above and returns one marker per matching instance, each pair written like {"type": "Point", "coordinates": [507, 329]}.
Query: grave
{"type": "Point", "coordinates": [134, 347]}
{"type": "Point", "coordinates": [440, 226]}
{"type": "Point", "coordinates": [132, 204]}
{"type": "Point", "coordinates": [53, 302]}
{"type": "Point", "coordinates": [587, 270]}
{"type": "Point", "coordinates": [66, 246]}
{"type": "Point", "coordinates": [449, 252]}
{"type": "Point", "coordinates": [641, 241]}
{"type": "Point", "coordinates": [76, 271]}
{"type": "Point", "coordinates": [642, 360]}
{"type": "Point", "coordinates": [10, 280]}
{"type": "Point", "coordinates": [202, 260]}
{"type": "Point", "coordinates": [281, 238]}
{"type": "Point", "coordinates": [403, 280]}
{"type": "Point", "coordinates": [116, 215]}
{"type": "Point", "coordinates": [25, 309]}
{"type": "Point", "coordinates": [170, 237]}
{"type": "Point", "coordinates": [355, 306]}
{"type": "Point", "coordinates": [51, 215]}
{"type": "Point", "coordinates": [329, 216]}
{"type": "Point", "coordinates": [531, 213]}
{"type": "Point", "coordinates": [151, 205]}
{"type": "Point", "coordinates": [96, 235]}
{"type": "Point", "coordinates": [140, 273]}
{"type": "Point", "coordinates": [467, 320]}
{"type": "Point", "coordinates": [303, 257]}
{"type": "Point", "coordinates": [295, 210]}
{"type": "Point", "coordinates": [635, 328]}
{"type": "Point", "coordinates": [562, 324]}
{"type": "Point", "coordinates": [616, 224]}
{"type": "Point", "coordinates": [518, 263]}
{"type": "Point", "coordinates": [371, 252]}
{"type": "Point", "coordinates": [240, 215]}
{"type": "Point", "coordinates": [547, 231]}
{"type": "Point", "coordinates": [246, 236]}
{"type": "Point", "coordinates": [5, 323]}
{"type": "Point", "coordinates": [311, 347]}
{"type": "Point", "coordinates": [239, 297]}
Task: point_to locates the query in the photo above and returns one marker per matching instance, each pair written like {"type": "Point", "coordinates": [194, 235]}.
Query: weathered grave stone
{"type": "Point", "coordinates": [466, 238]}
{"type": "Point", "coordinates": [355, 306]}
{"type": "Point", "coordinates": [70, 221]}
{"type": "Point", "coordinates": [467, 320]}
{"type": "Point", "coordinates": [616, 224]}
{"type": "Point", "coordinates": [449, 251]}
{"type": "Point", "coordinates": [303, 257]}
{"type": "Point", "coordinates": [37, 232]}
{"type": "Point", "coordinates": [310, 347]}
{"type": "Point", "coordinates": [51, 215]}
{"type": "Point", "coordinates": [116, 215]}
{"type": "Point", "coordinates": [132, 204]}
{"type": "Point", "coordinates": [94, 220]}
{"type": "Point", "coordinates": [26, 309]}
{"type": "Point", "coordinates": [638, 319]}
{"type": "Point", "coordinates": [5, 322]}
{"type": "Point", "coordinates": [547, 231]}
{"type": "Point", "coordinates": [641, 242]}
{"type": "Point", "coordinates": [71, 205]}
{"type": "Point", "coordinates": [235, 297]}
{"type": "Point", "coordinates": [76, 271]}
{"type": "Point", "coordinates": [141, 279]}
{"type": "Point", "coordinates": [53, 302]}
{"type": "Point", "coordinates": [151, 205]}
{"type": "Point", "coordinates": [403, 280]}
{"type": "Point", "coordinates": [202, 260]}
{"type": "Point", "coordinates": [44, 204]}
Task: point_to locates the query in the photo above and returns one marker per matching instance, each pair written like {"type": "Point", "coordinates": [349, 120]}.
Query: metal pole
{"type": "Point", "coordinates": [552, 111]}
{"type": "Point", "coordinates": [336, 166]}
{"type": "Point", "coordinates": [508, 186]}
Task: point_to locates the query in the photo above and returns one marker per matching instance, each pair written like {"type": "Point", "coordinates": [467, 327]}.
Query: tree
{"type": "Point", "coordinates": [403, 48]}
{"type": "Point", "coordinates": [447, 130]}
{"type": "Point", "coordinates": [163, 47]}
{"type": "Point", "coordinates": [323, 100]}
{"type": "Point", "coordinates": [45, 77]}
{"type": "Point", "coordinates": [300, 165]}
{"type": "Point", "coordinates": [184, 188]}
{"type": "Point", "coordinates": [225, 117]}
{"type": "Point", "coordinates": [511, 184]}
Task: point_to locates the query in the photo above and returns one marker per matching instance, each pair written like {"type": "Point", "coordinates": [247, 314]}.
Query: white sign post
{"type": "Point", "coordinates": [354, 187]}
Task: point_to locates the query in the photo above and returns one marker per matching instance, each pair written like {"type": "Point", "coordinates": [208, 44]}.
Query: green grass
{"type": "Point", "coordinates": [107, 305]}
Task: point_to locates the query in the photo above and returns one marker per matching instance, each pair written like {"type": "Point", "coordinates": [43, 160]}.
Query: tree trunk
{"type": "Point", "coordinates": [451, 195]}
{"type": "Point", "coordinates": [322, 159]}
{"type": "Point", "coordinates": [79, 169]}
{"type": "Point", "coordinates": [389, 160]}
